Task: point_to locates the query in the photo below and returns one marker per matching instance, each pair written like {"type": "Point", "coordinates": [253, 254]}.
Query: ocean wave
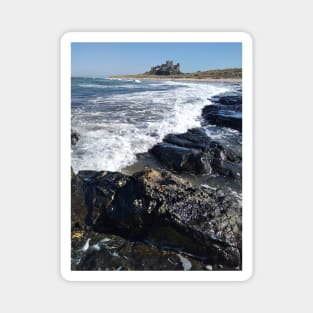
{"type": "Point", "coordinates": [119, 126]}
{"type": "Point", "coordinates": [101, 86]}
{"type": "Point", "coordinates": [93, 86]}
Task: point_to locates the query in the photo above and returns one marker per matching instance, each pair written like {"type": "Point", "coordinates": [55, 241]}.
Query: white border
{"type": "Point", "coordinates": [247, 173]}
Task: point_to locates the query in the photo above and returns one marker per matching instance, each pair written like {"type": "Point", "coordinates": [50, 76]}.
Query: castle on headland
{"type": "Point", "coordinates": [165, 69]}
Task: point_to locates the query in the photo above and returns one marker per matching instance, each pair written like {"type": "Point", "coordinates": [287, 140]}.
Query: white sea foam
{"type": "Point", "coordinates": [185, 263]}
{"type": "Point", "coordinates": [86, 246]}
{"type": "Point", "coordinates": [93, 86]}
{"type": "Point", "coordinates": [101, 86]}
{"type": "Point", "coordinates": [121, 125]}
{"type": "Point", "coordinates": [230, 138]}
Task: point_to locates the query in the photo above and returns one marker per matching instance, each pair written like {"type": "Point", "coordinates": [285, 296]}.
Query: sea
{"type": "Point", "coordinates": [117, 119]}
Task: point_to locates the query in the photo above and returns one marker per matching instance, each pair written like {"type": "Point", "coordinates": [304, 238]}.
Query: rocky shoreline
{"type": "Point", "coordinates": [157, 218]}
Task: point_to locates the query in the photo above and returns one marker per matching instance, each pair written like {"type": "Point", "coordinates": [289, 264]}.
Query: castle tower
{"type": "Point", "coordinates": [169, 63]}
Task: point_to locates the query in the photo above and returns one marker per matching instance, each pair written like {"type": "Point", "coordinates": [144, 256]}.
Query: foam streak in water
{"type": "Point", "coordinates": [116, 125]}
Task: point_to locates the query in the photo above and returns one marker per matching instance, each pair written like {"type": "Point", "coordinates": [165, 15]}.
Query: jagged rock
{"type": "Point", "coordinates": [94, 251]}
{"type": "Point", "coordinates": [182, 159]}
{"type": "Point", "coordinates": [100, 187]}
{"type": "Point", "coordinates": [206, 224]}
{"type": "Point", "coordinates": [225, 112]}
{"type": "Point", "coordinates": [228, 100]}
{"type": "Point", "coordinates": [74, 137]}
{"type": "Point", "coordinates": [217, 115]}
{"type": "Point", "coordinates": [197, 153]}
{"type": "Point", "coordinates": [224, 121]}
{"type": "Point", "coordinates": [194, 138]}
{"type": "Point", "coordinates": [225, 161]}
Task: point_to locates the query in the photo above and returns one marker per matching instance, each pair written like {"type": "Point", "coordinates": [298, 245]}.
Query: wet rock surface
{"type": "Point", "coordinates": [194, 138]}
{"type": "Point", "coordinates": [229, 99]}
{"type": "Point", "coordinates": [218, 117]}
{"type": "Point", "coordinates": [226, 111]}
{"type": "Point", "coordinates": [199, 222]}
{"type": "Point", "coordinates": [180, 159]}
{"type": "Point", "coordinates": [95, 251]}
{"type": "Point", "coordinates": [197, 153]}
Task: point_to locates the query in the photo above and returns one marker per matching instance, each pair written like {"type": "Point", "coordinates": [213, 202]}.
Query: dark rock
{"type": "Point", "coordinates": [220, 152]}
{"type": "Point", "coordinates": [127, 213]}
{"type": "Point", "coordinates": [194, 138]}
{"type": "Point", "coordinates": [74, 137]}
{"type": "Point", "coordinates": [181, 158]}
{"type": "Point", "coordinates": [225, 121]}
{"type": "Point", "coordinates": [100, 187]}
{"type": "Point", "coordinates": [197, 153]}
{"type": "Point", "coordinates": [228, 168]}
{"type": "Point", "coordinates": [228, 99]}
{"type": "Point", "coordinates": [222, 109]}
{"type": "Point", "coordinates": [206, 224]}
{"type": "Point", "coordinates": [92, 251]}
{"type": "Point", "coordinates": [217, 115]}
{"type": "Point", "coordinates": [73, 180]}
{"type": "Point", "coordinates": [225, 112]}
{"type": "Point", "coordinates": [225, 161]}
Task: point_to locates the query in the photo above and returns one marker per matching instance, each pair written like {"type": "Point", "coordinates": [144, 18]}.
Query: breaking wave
{"type": "Point", "coordinates": [118, 119]}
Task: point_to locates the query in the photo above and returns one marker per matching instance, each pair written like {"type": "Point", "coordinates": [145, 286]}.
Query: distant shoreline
{"type": "Point", "coordinates": [229, 75]}
{"type": "Point", "coordinates": [169, 78]}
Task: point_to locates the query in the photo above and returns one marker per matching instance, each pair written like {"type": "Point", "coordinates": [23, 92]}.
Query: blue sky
{"type": "Point", "coordinates": [105, 59]}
